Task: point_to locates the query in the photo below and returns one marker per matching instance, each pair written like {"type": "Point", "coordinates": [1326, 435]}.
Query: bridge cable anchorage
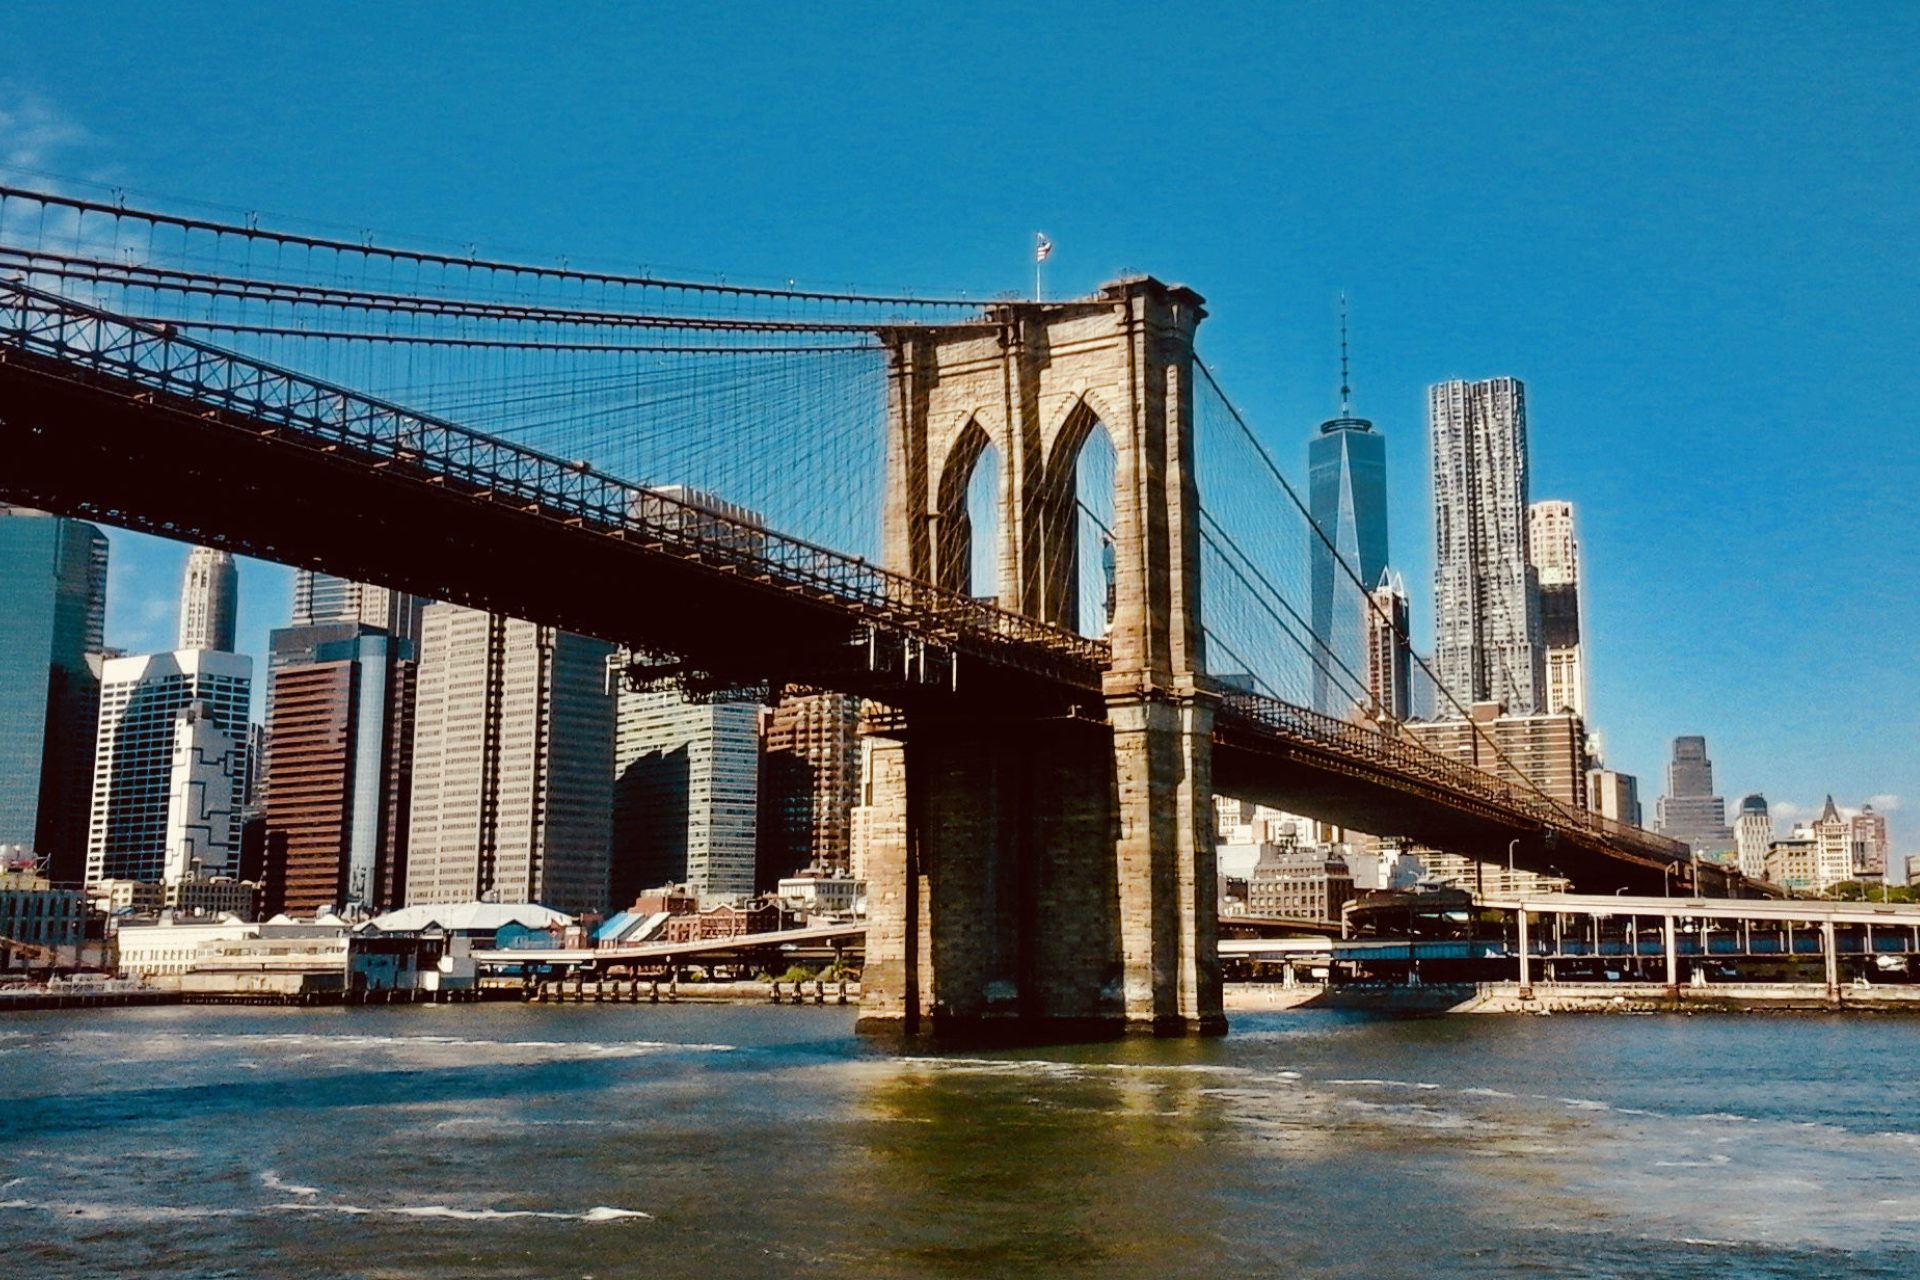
{"type": "Point", "coordinates": [1346, 569]}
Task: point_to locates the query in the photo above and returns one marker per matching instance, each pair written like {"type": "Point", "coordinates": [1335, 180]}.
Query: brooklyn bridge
{"type": "Point", "coordinates": [1038, 539]}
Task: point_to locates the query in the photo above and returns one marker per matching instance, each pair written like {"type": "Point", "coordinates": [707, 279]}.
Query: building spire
{"type": "Point", "coordinates": [1346, 391]}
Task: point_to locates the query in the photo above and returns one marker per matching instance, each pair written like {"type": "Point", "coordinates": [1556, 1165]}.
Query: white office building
{"type": "Point", "coordinates": [1752, 833]}
{"type": "Point", "coordinates": [203, 800]}
{"type": "Point", "coordinates": [141, 701]}
{"type": "Point", "coordinates": [686, 798]}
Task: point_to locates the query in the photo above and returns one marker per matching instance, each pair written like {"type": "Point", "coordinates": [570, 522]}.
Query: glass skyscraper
{"type": "Point", "coordinates": [1347, 483]}
{"type": "Point", "coordinates": [53, 578]}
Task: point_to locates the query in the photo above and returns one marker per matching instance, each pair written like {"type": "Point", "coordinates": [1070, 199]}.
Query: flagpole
{"type": "Point", "coordinates": [1037, 260]}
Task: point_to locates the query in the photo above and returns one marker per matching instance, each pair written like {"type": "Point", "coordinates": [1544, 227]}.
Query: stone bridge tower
{"type": "Point", "coordinates": [1045, 872]}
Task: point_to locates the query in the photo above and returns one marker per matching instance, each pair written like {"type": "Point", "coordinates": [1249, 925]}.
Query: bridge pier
{"type": "Point", "coordinates": [1043, 880]}
{"type": "Point", "coordinates": [993, 910]}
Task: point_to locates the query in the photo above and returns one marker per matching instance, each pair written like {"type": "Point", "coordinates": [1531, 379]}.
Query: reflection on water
{"type": "Point", "coordinates": [713, 1141]}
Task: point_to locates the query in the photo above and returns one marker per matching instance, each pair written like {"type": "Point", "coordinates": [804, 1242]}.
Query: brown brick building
{"type": "Point", "coordinates": [809, 780]}
{"type": "Point", "coordinates": [338, 770]}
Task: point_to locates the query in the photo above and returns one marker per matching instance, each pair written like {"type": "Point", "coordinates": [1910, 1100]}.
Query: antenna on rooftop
{"type": "Point", "coordinates": [1346, 391]}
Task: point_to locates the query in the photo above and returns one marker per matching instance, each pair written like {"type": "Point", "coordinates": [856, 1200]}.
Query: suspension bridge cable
{"type": "Point", "coordinates": [1273, 469]}
{"type": "Point", "coordinates": [367, 250]}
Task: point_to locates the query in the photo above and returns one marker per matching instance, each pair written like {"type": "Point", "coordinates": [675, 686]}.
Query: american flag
{"type": "Point", "coordinates": [1041, 247]}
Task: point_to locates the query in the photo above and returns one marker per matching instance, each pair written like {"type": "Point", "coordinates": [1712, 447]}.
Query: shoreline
{"type": "Point", "coordinates": [1640, 998]}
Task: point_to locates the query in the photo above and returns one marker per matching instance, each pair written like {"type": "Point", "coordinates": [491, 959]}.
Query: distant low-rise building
{"type": "Point", "coordinates": [35, 912]}
{"type": "Point", "coordinates": [212, 896]}
{"type": "Point", "coordinates": [726, 921]}
{"type": "Point", "coordinates": [1306, 883]}
{"type": "Point", "coordinates": [822, 891]}
{"type": "Point", "coordinates": [1791, 862]}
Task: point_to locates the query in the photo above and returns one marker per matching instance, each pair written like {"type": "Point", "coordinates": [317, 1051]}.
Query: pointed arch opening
{"type": "Point", "coordinates": [967, 542]}
{"type": "Point", "coordinates": [1079, 591]}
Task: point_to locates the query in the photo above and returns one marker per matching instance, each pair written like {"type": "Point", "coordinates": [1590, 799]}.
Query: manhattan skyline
{"type": "Point", "coordinates": [1689, 353]}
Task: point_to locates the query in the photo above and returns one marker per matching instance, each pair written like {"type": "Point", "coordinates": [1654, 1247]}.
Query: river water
{"type": "Point", "coordinates": [711, 1141]}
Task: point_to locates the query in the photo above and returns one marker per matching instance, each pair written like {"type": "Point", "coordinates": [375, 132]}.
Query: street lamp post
{"type": "Point", "coordinates": [1666, 879]}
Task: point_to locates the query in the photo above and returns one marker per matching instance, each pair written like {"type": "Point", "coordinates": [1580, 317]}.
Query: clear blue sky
{"type": "Point", "coordinates": [1691, 231]}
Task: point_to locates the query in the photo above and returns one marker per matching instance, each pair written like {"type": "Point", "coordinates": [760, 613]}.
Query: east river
{"type": "Point", "coordinates": [716, 1141]}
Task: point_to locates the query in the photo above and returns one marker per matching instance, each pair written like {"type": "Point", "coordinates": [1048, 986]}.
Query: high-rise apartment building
{"type": "Point", "coordinates": [1544, 753]}
{"type": "Point", "coordinates": [337, 787]}
{"type": "Point", "coordinates": [1752, 835]}
{"type": "Point", "coordinates": [209, 601]}
{"type": "Point", "coordinates": [1488, 644]}
{"type": "Point", "coordinates": [809, 775]}
{"type": "Point", "coordinates": [1556, 561]}
{"type": "Point", "coordinates": [1614, 795]}
{"type": "Point", "coordinates": [321, 597]}
{"type": "Point", "coordinates": [1389, 668]}
{"type": "Point", "coordinates": [1869, 843]}
{"type": "Point", "coordinates": [53, 582]}
{"type": "Point", "coordinates": [141, 699]}
{"type": "Point", "coordinates": [512, 764]}
{"type": "Point", "coordinates": [1347, 495]}
{"type": "Point", "coordinates": [686, 798]}
{"type": "Point", "coordinates": [1690, 811]}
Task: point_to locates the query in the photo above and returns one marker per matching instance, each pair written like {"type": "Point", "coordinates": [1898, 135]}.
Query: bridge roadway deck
{"type": "Point", "coordinates": [109, 419]}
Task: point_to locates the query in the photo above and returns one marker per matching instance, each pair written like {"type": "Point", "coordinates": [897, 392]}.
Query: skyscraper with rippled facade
{"type": "Point", "coordinates": [1488, 632]}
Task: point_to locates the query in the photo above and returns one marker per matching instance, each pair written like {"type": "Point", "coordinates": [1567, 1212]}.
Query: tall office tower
{"type": "Point", "coordinates": [141, 699]}
{"type": "Point", "coordinates": [1556, 562]}
{"type": "Point", "coordinates": [1347, 495]}
{"type": "Point", "coordinates": [1690, 811]}
{"type": "Point", "coordinates": [808, 783]}
{"type": "Point", "coordinates": [1487, 598]}
{"type": "Point", "coordinates": [1614, 795]}
{"type": "Point", "coordinates": [209, 600]}
{"type": "Point", "coordinates": [512, 764]}
{"type": "Point", "coordinates": [321, 597]}
{"type": "Point", "coordinates": [1389, 652]}
{"type": "Point", "coordinates": [1833, 855]}
{"type": "Point", "coordinates": [337, 790]}
{"type": "Point", "coordinates": [203, 804]}
{"type": "Point", "coordinates": [1752, 833]}
{"type": "Point", "coordinates": [1547, 752]}
{"type": "Point", "coordinates": [686, 794]}
{"type": "Point", "coordinates": [53, 580]}
{"type": "Point", "coordinates": [1869, 842]}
